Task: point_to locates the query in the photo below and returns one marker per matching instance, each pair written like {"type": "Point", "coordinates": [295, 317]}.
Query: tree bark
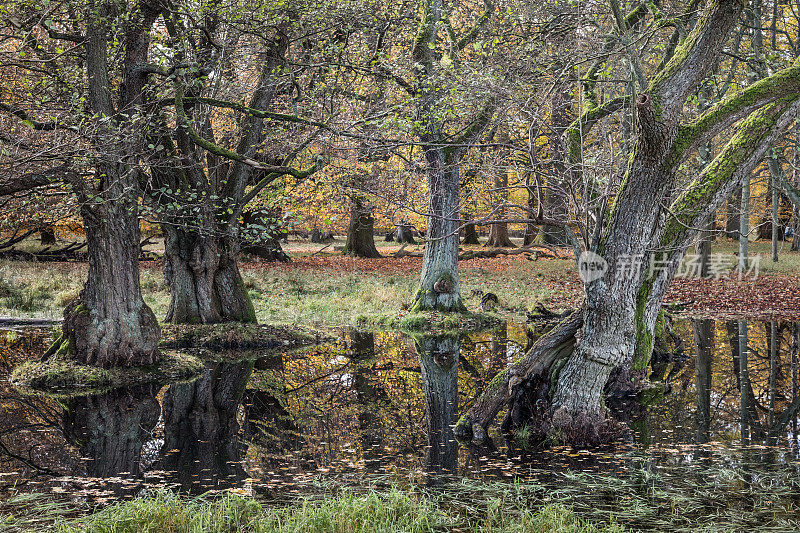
{"type": "Point", "coordinates": [202, 449]}
{"type": "Point", "coordinates": [110, 429]}
{"type": "Point", "coordinates": [704, 346]}
{"type": "Point", "coordinates": [733, 214]}
{"type": "Point", "coordinates": [360, 231]}
{"type": "Point", "coordinates": [204, 280]}
{"type": "Point", "coordinates": [470, 233]}
{"type": "Point", "coordinates": [439, 284]}
{"type": "Point", "coordinates": [109, 324]}
{"type": "Point", "coordinates": [498, 232]}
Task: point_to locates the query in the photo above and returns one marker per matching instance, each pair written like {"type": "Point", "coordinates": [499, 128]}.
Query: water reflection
{"type": "Point", "coordinates": [438, 358]}
{"type": "Point", "coordinates": [202, 449]}
{"type": "Point", "coordinates": [384, 405]}
{"type": "Point", "coordinates": [110, 429]}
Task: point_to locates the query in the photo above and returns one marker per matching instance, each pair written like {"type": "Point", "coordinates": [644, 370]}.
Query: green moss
{"type": "Point", "coordinates": [60, 374]}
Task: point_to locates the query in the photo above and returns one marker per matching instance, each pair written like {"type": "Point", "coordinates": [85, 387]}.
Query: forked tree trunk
{"type": "Point", "coordinates": [361, 232]}
{"type": "Point", "coordinates": [439, 284]}
{"type": "Point", "coordinates": [204, 280]}
{"type": "Point", "coordinates": [109, 324]}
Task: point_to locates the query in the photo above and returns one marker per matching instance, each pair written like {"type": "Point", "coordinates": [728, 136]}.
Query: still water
{"type": "Point", "coordinates": [377, 409]}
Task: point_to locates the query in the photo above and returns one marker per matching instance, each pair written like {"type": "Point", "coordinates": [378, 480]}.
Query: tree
{"type": "Point", "coordinates": [643, 241]}
{"type": "Point", "coordinates": [439, 283]}
{"type": "Point", "coordinates": [109, 324]}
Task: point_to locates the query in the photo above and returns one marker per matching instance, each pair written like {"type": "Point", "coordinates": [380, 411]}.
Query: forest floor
{"type": "Point", "coordinates": [325, 289]}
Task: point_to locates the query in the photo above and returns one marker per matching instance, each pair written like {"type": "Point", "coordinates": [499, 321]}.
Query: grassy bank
{"type": "Point", "coordinates": [322, 291]}
{"type": "Point", "coordinates": [331, 290]}
{"type": "Point", "coordinates": [390, 512]}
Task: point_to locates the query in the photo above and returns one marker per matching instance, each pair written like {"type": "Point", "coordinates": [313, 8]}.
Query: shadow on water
{"type": "Point", "coordinates": [378, 409]}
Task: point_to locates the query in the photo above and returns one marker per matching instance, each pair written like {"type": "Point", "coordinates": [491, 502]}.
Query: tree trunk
{"type": "Point", "coordinates": [439, 283]}
{"type": "Point", "coordinates": [109, 324]}
{"type": "Point", "coordinates": [370, 395]}
{"type": "Point", "coordinates": [704, 347]}
{"type": "Point", "coordinates": [204, 280]}
{"type": "Point", "coordinates": [47, 235]}
{"type": "Point", "coordinates": [733, 214]}
{"type": "Point", "coordinates": [360, 231]}
{"type": "Point", "coordinates": [470, 233]}
{"type": "Point", "coordinates": [498, 236]}
{"type": "Point", "coordinates": [744, 227]}
{"type": "Point", "coordinates": [498, 232]}
{"type": "Point", "coordinates": [531, 230]}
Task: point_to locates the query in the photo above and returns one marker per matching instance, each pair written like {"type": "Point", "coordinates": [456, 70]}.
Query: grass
{"type": "Point", "coordinates": [393, 511]}
{"type": "Point", "coordinates": [329, 290]}
{"type": "Point", "coordinates": [321, 291]}
{"type": "Point", "coordinates": [431, 322]}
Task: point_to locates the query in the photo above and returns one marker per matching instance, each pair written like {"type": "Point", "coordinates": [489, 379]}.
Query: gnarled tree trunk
{"type": "Point", "coordinates": [204, 279]}
{"type": "Point", "coordinates": [109, 324]}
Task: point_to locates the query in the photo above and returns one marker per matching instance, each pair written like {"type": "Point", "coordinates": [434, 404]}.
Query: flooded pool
{"type": "Point", "coordinates": [377, 410]}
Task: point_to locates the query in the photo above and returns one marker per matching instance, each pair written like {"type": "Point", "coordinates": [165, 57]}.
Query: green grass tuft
{"type": "Point", "coordinates": [388, 512]}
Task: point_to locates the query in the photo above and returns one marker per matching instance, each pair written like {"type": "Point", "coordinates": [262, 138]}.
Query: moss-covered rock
{"type": "Point", "coordinates": [61, 374]}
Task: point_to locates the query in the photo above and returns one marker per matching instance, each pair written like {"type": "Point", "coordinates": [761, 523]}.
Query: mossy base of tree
{"type": "Point", "coordinates": [61, 374]}
{"type": "Point", "coordinates": [237, 336]}
{"type": "Point", "coordinates": [432, 322]}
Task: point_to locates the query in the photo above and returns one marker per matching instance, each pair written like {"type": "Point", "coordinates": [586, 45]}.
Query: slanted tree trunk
{"type": "Point", "coordinates": [204, 280]}
{"type": "Point", "coordinates": [360, 231]}
{"type": "Point", "coordinates": [622, 305]}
